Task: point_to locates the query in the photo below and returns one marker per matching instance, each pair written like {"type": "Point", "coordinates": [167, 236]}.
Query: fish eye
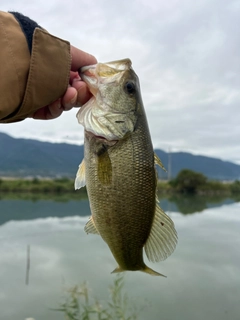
{"type": "Point", "coordinates": [129, 87]}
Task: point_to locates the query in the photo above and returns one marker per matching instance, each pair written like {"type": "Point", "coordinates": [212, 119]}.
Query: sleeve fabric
{"type": "Point", "coordinates": [34, 67]}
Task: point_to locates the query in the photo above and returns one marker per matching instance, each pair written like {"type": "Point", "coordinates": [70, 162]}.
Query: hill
{"type": "Point", "coordinates": [212, 168]}
{"type": "Point", "coordinates": [27, 157]}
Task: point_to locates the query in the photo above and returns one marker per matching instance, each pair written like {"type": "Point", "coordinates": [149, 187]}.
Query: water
{"type": "Point", "coordinates": [203, 274]}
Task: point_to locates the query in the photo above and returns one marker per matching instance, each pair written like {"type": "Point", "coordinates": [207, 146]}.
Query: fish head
{"type": "Point", "coordinates": [114, 84]}
{"type": "Point", "coordinates": [113, 110]}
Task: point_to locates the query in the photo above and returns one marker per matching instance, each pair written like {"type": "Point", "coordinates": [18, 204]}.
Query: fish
{"type": "Point", "coordinates": [119, 169]}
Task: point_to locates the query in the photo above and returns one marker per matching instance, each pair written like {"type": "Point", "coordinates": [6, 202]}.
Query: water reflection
{"type": "Point", "coordinates": [203, 273]}
{"type": "Point", "coordinates": [188, 204]}
{"type": "Point", "coordinates": [18, 209]}
{"type": "Point", "coordinates": [33, 206]}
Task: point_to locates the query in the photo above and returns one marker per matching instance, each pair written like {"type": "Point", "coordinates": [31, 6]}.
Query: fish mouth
{"type": "Point", "coordinates": [99, 118]}
{"type": "Point", "coordinates": [88, 75]}
{"type": "Point", "coordinates": [96, 74]}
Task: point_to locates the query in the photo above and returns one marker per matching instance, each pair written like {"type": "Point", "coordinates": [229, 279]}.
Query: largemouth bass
{"type": "Point", "coordinates": [119, 169]}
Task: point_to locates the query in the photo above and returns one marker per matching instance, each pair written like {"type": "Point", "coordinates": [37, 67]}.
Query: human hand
{"type": "Point", "coordinates": [77, 92]}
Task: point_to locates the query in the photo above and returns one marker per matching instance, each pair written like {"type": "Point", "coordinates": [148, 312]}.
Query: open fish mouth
{"type": "Point", "coordinates": [88, 75]}
{"type": "Point", "coordinates": [87, 72]}
{"type": "Point", "coordinates": [106, 69]}
{"type": "Point", "coordinates": [102, 72]}
{"type": "Point", "coordinates": [108, 118]}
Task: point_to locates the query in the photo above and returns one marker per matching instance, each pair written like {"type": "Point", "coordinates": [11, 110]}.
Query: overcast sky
{"type": "Point", "coordinates": [186, 54]}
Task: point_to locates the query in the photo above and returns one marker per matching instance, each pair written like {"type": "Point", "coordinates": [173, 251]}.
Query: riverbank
{"type": "Point", "coordinates": [43, 186]}
{"type": "Point", "coordinates": [66, 186]}
{"type": "Point", "coordinates": [209, 188]}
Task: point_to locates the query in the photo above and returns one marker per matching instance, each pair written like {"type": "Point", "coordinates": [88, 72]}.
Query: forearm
{"type": "Point", "coordinates": [32, 75]}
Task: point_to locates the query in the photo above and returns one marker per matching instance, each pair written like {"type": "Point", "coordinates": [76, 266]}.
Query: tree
{"type": "Point", "coordinates": [235, 187]}
{"type": "Point", "coordinates": [188, 181]}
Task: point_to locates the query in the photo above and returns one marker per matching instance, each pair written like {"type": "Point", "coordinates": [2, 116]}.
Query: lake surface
{"type": "Point", "coordinates": [203, 274]}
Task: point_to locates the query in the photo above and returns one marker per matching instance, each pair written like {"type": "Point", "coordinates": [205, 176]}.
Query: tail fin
{"type": "Point", "coordinates": [152, 272]}
{"type": "Point", "coordinates": [144, 269]}
{"type": "Point", "coordinates": [117, 270]}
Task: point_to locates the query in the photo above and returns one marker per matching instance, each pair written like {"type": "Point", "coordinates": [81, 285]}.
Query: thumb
{"type": "Point", "coordinates": [81, 58]}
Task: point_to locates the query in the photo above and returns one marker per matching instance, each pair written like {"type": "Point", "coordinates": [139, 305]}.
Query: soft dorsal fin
{"type": "Point", "coordinates": [90, 227]}
{"type": "Point", "coordinates": [158, 162]}
{"type": "Point", "coordinates": [163, 237]}
{"type": "Point", "coordinates": [80, 180]}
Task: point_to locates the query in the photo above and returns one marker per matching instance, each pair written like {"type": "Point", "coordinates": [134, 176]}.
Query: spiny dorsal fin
{"type": "Point", "coordinates": [80, 176]}
{"type": "Point", "coordinates": [158, 162]}
{"type": "Point", "coordinates": [163, 237]}
{"type": "Point", "coordinates": [90, 227]}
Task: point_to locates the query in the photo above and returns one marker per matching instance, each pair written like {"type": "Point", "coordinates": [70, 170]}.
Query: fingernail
{"type": "Point", "coordinates": [74, 99]}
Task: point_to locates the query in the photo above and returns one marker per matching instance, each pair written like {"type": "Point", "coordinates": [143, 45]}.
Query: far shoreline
{"type": "Point", "coordinates": [48, 185]}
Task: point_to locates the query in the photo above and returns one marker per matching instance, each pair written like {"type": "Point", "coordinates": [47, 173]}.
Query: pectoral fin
{"type": "Point", "coordinates": [158, 162]}
{"type": "Point", "coordinates": [80, 180]}
{"type": "Point", "coordinates": [163, 237]}
{"type": "Point", "coordinates": [90, 227]}
{"type": "Point", "coordinates": [104, 169]}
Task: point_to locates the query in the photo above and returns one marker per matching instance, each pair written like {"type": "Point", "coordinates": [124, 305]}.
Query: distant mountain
{"type": "Point", "coordinates": [26, 157]}
{"type": "Point", "coordinates": [212, 168]}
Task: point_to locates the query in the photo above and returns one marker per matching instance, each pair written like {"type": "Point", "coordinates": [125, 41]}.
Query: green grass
{"type": "Point", "coordinates": [56, 186]}
{"type": "Point", "coordinates": [78, 304]}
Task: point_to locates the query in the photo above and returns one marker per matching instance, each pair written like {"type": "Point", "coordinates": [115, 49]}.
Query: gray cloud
{"type": "Point", "coordinates": [185, 53]}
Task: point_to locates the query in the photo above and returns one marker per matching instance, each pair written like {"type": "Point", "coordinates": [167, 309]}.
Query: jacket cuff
{"type": "Point", "coordinates": [48, 76]}
{"type": "Point", "coordinates": [27, 25]}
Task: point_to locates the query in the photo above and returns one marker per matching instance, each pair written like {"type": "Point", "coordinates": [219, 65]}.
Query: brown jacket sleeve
{"type": "Point", "coordinates": [29, 81]}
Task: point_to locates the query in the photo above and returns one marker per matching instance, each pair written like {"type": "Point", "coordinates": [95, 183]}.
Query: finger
{"type": "Point", "coordinates": [73, 75]}
{"type": "Point", "coordinates": [69, 99]}
{"type": "Point", "coordinates": [81, 58]}
{"type": "Point", "coordinates": [83, 94]}
{"type": "Point", "coordinates": [52, 111]}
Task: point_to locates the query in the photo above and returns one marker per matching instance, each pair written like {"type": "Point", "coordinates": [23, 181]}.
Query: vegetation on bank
{"type": "Point", "coordinates": [78, 304]}
{"type": "Point", "coordinates": [191, 182]}
{"type": "Point", "coordinates": [187, 182]}
{"type": "Point", "coordinates": [35, 185]}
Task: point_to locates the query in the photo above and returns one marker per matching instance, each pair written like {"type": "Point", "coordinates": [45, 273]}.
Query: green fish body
{"type": "Point", "coordinates": [119, 169]}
